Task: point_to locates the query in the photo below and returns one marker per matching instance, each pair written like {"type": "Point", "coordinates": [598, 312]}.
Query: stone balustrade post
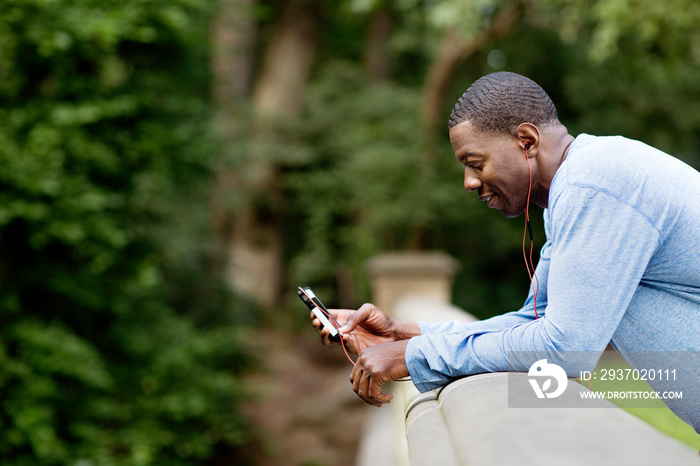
{"type": "Point", "coordinates": [422, 274]}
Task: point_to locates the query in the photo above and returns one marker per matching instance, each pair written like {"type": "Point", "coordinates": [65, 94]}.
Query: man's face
{"type": "Point", "coordinates": [494, 165]}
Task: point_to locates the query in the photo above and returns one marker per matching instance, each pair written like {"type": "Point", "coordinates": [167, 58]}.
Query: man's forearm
{"type": "Point", "coordinates": [406, 330]}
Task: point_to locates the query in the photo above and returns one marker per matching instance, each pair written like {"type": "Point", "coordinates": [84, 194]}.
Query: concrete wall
{"type": "Point", "coordinates": [469, 422]}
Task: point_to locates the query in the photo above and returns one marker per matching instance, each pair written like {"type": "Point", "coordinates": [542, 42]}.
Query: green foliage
{"type": "Point", "coordinates": [633, 70]}
{"type": "Point", "coordinates": [109, 351]}
{"type": "Point", "coordinates": [351, 190]}
{"type": "Point", "coordinates": [658, 29]}
{"type": "Point", "coordinates": [669, 121]}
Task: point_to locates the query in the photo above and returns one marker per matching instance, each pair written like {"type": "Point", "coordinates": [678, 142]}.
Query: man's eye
{"type": "Point", "coordinates": [473, 164]}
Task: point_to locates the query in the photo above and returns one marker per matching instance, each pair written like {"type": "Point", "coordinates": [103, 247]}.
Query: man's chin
{"type": "Point", "coordinates": [511, 213]}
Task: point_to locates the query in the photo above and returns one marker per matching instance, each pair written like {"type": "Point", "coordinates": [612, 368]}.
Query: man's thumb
{"type": "Point", "coordinates": [356, 318]}
{"type": "Point", "coordinates": [351, 323]}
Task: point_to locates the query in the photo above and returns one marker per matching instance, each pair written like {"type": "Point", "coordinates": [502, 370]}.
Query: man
{"type": "Point", "coordinates": [621, 263]}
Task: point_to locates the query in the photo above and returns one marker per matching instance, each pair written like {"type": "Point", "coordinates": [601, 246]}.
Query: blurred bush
{"type": "Point", "coordinates": [117, 343]}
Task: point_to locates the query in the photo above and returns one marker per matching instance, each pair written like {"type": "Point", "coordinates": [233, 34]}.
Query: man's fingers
{"type": "Point", "coordinates": [364, 389]}
{"type": "Point", "coordinates": [367, 387]}
{"type": "Point", "coordinates": [355, 376]}
{"type": "Point", "coordinates": [356, 318]}
{"type": "Point", "coordinates": [326, 337]}
{"type": "Point", "coordinates": [378, 364]}
{"type": "Point", "coordinates": [375, 393]}
{"type": "Point", "coordinates": [350, 324]}
{"type": "Point", "coordinates": [360, 383]}
{"type": "Point", "coordinates": [325, 333]}
{"type": "Point", "coordinates": [315, 322]}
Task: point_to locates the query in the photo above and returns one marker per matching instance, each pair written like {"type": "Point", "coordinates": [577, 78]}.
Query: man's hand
{"type": "Point", "coordinates": [368, 326]}
{"type": "Point", "coordinates": [378, 364]}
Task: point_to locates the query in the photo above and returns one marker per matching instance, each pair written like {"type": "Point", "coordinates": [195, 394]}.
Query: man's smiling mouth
{"type": "Point", "coordinates": [487, 198]}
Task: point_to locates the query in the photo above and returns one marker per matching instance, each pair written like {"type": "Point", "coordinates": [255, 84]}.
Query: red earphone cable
{"type": "Point", "coordinates": [530, 266]}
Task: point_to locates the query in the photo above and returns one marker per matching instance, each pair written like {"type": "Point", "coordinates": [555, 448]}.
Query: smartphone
{"type": "Point", "coordinates": [307, 295]}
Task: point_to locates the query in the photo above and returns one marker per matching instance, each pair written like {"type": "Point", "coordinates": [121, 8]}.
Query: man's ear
{"type": "Point", "coordinates": [528, 136]}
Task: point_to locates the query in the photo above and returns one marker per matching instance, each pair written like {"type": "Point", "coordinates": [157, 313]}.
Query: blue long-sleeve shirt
{"type": "Point", "coordinates": [621, 265]}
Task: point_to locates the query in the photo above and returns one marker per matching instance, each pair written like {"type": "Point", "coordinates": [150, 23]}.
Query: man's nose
{"type": "Point", "coordinates": [471, 182]}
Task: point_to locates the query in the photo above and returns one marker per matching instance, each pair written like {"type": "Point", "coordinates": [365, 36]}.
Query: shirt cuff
{"type": "Point", "coordinates": [422, 376]}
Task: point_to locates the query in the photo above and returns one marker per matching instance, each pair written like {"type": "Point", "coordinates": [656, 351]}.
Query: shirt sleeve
{"type": "Point", "coordinates": [599, 250]}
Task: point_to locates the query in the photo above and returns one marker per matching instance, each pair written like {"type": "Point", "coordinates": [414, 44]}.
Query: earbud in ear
{"type": "Point", "coordinates": [526, 145]}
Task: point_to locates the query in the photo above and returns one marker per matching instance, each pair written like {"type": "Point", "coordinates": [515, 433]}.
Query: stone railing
{"type": "Point", "coordinates": [469, 421]}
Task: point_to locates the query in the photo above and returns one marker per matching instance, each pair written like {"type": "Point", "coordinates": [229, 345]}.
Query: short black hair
{"type": "Point", "coordinates": [500, 102]}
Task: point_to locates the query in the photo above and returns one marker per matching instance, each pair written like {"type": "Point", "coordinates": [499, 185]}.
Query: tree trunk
{"type": "Point", "coordinates": [256, 248]}
{"type": "Point", "coordinates": [232, 36]}
{"type": "Point", "coordinates": [287, 63]}
{"type": "Point", "coordinates": [375, 55]}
